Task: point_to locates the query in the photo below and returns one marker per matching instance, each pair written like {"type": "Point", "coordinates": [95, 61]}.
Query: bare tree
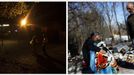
{"type": "Point", "coordinates": [116, 20]}
{"type": "Point", "coordinates": [84, 18]}
{"type": "Point", "coordinates": [109, 15]}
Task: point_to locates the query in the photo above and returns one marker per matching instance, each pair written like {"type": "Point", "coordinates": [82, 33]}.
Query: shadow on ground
{"type": "Point", "coordinates": [53, 65]}
{"type": "Point", "coordinates": [17, 57]}
{"type": "Point", "coordinates": [43, 64]}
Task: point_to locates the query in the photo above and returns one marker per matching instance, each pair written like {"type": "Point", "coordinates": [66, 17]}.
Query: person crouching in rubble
{"type": "Point", "coordinates": [89, 53]}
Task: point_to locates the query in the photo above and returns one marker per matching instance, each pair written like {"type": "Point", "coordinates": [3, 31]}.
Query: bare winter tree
{"type": "Point", "coordinates": [116, 20]}
{"type": "Point", "coordinates": [84, 18]}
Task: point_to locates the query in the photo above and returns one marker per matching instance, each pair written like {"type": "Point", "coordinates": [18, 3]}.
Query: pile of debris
{"type": "Point", "coordinates": [122, 52]}
{"type": "Point", "coordinates": [74, 64]}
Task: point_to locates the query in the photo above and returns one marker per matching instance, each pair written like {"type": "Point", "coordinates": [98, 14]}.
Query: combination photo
{"type": "Point", "coordinates": [66, 37]}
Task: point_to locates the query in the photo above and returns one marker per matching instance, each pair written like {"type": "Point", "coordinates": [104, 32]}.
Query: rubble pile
{"type": "Point", "coordinates": [123, 52]}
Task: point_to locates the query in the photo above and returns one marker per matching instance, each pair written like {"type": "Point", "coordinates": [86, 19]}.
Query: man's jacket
{"type": "Point", "coordinates": [130, 25]}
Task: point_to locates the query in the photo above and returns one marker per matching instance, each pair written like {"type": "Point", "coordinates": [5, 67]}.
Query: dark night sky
{"type": "Point", "coordinates": [46, 13]}
{"type": "Point", "coordinates": [51, 15]}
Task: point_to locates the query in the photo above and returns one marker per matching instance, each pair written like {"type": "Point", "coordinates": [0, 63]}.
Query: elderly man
{"type": "Point", "coordinates": [130, 22]}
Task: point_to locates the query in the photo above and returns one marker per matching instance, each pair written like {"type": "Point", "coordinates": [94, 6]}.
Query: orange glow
{"type": "Point", "coordinates": [23, 22]}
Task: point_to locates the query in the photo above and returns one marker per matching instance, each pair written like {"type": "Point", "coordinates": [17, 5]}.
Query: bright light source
{"type": "Point", "coordinates": [5, 25]}
{"type": "Point", "coordinates": [23, 22]}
